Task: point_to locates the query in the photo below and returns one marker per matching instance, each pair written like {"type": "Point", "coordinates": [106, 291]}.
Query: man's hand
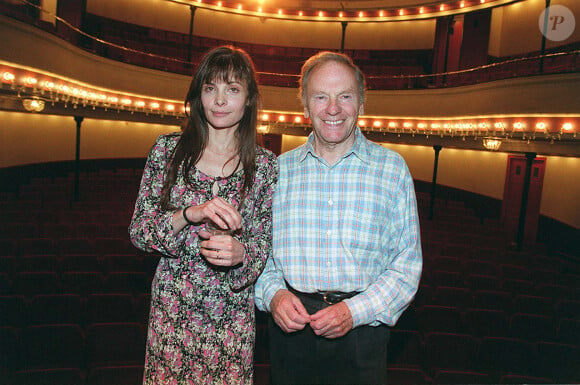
{"type": "Point", "coordinates": [333, 321]}
{"type": "Point", "coordinates": [288, 311]}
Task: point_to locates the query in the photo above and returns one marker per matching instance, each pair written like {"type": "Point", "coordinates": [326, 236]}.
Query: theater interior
{"type": "Point", "coordinates": [480, 97]}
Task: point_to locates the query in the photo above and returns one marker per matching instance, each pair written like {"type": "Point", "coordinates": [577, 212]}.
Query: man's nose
{"type": "Point", "coordinates": [333, 107]}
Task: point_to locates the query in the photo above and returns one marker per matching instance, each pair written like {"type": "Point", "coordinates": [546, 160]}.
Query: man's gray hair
{"type": "Point", "coordinates": [324, 57]}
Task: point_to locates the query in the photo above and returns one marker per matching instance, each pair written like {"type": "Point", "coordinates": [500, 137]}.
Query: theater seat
{"type": "Point", "coordinates": [440, 319]}
{"type": "Point", "coordinates": [560, 362]}
{"type": "Point", "coordinates": [532, 304]}
{"type": "Point", "coordinates": [405, 349]}
{"type": "Point", "coordinates": [12, 310]}
{"type": "Point", "coordinates": [487, 323]}
{"type": "Point", "coordinates": [500, 356]}
{"type": "Point", "coordinates": [533, 328]}
{"type": "Point", "coordinates": [127, 282]}
{"type": "Point", "coordinates": [83, 283]}
{"type": "Point", "coordinates": [451, 351]}
{"type": "Point", "coordinates": [122, 375]}
{"type": "Point", "coordinates": [452, 297]}
{"type": "Point", "coordinates": [102, 308]}
{"type": "Point", "coordinates": [35, 283]}
{"type": "Point", "coordinates": [52, 346]}
{"type": "Point", "coordinates": [83, 262]}
{"type": "Point", "coordinates": [75, 246]}
{"type": "Point", "coordinates": [67, 376]}
{"type": "Point", "coordinates": [37, 263]}
{"type": "Point", "coordinates": [569, 331]}
{"type": "Point", "coordinates": [568, 309]}
{"type": "Point", "coordinates": [406, 376]}
{"type": "Point", "coordinates": [519, 379]}
{"type": "Point", "coordinates": [52, 309]}
{"type": "Point", "coordinates": [5, 284]}
{"type": "Point", "coordinates": [460, 377]}
{"type": "Point", "coordinates": [9, 353]}
{"type": "Point", "coordinates": [115, 344]}
{"type": "Point", "coordinates": [122, 263]}
{"type": "Point", "coordinates": [493, 300]}
{"type": "Point", "coordinates": [261, 374]}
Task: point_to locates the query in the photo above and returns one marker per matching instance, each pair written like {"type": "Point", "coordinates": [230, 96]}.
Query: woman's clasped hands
{"type": "Point", "coordinates": [219, 246]}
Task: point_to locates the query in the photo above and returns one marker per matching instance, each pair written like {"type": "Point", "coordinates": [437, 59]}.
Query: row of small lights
{"type": "Point", "coordinates": [383, 13]}
{"type": "Point", "coordinates": [542, 125]}
{"type": "Point", "coordinates": [78, 95]}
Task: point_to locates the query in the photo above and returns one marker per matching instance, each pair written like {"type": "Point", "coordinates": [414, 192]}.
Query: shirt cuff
{"type": "Point", "coordinates": [359, 307]}
{"type": "Point", "coordinates": [269, 292]}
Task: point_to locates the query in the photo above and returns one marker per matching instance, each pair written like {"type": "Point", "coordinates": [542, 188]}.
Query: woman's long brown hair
{"type": "Point", "coordinates": [224, 63]}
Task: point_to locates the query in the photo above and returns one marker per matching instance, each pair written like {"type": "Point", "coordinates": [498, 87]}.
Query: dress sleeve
{"type": "Point", "coordinates": [151, 227]}
{"type": "Point", "coordinates": [257, 236]}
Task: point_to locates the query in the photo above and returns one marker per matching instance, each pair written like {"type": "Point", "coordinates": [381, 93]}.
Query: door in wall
{"type": "Point", "coordinates": [512, 199]}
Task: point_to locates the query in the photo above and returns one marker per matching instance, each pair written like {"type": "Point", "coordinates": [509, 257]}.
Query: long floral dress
{"type": "Point", "coordinates": [201, 324]}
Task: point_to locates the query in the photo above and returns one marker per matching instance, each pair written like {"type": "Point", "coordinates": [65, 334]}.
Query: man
{"type": "Point", "coordinates": [347, 256]}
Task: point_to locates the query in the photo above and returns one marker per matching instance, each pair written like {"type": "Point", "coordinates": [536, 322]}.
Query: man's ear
{"type": "Point", "coordinates": [306, 113]}
{"type": "Point", "coordinates": [361, 109]}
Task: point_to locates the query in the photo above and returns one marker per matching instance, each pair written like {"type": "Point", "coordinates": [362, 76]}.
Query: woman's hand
{"type": "Point", "coordinates": [221, 250]}
{"type": "Point", "coordinates": [218, 211]}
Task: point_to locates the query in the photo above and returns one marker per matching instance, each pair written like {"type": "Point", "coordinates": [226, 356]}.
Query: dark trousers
{"type": "Point", "coordinates": [302, 358]}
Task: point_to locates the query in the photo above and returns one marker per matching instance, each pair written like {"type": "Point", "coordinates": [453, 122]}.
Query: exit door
{"type": "Point", "coordinates": [512, 199]}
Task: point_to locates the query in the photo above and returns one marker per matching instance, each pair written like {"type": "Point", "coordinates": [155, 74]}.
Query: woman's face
{"type": "Point", "coordinates": [224, 103]}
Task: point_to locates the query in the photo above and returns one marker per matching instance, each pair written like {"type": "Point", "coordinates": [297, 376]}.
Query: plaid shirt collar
{"type": "Point", "coordinates": [360, 148]}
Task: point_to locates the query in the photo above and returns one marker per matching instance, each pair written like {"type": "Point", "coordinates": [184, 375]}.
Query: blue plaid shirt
{"type": "Point", "coordinates": [351, 226]}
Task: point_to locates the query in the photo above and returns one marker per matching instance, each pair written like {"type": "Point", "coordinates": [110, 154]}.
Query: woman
{"type": "Point", "coordinates": [201, 325]}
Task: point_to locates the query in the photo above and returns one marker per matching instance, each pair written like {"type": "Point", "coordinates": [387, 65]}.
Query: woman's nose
{"type": "Point", "coordinates": [220, 99]}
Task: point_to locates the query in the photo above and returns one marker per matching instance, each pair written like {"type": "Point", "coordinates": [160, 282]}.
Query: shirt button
{"type": "Point", "coordinates": [330, 202]}
{"type": "Point", "coordinates": [328, 232]}
{"type": "Point", "coordinates": [328, 263]}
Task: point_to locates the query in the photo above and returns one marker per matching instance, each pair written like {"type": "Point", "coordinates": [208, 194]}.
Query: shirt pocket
{"type": "Point", "coordinates": [360, 224]}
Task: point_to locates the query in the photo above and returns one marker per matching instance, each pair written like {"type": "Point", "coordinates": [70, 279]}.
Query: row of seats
{"type": "Point", "coordinates": [74, 282]}
{"type": "Point", "coordinates": [74, 292]}
{"type": "Point", "coordinates": [505, 301]}
{"type": "Point", "coordinates": [115, 304]}
{"type": "Point", "coordinates": [466, 266]}
{"type": "Point", "coordinates": [107, 375]}
{"type": "Point", "coordinates": [492, 356]}
{"type": "Point", "coordinates": [68, 246]}
{"type": "Point", "coordinates": [414, 376]}
{"type": "Point", "coordinates": [64, 228]}
{"type": "Point", "coordinates": [69, 346]}
{"type": "Point", "coordinates": [105, 264]}
{"type": "Point", "coordinates": [490, 322]}
{"type": "Point", "coordinates": [18, 311]}
{"type": "Point", "coordinates": [452, 301]}
{"type": "Point", "coordinates": [545, 288]}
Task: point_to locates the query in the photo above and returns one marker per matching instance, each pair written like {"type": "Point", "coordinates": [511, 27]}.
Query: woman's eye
{"type": "Point", "coordinates": [208, 88]}
{"type": "Point", "coordinates": [234, 90]}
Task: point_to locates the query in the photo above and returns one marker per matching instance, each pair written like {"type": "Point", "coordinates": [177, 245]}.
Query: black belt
{"type": "Point", "coordinates": [328, 297]}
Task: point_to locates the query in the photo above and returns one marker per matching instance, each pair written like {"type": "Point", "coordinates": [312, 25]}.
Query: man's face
{"type": "Point", "coordinates": [332, 103]}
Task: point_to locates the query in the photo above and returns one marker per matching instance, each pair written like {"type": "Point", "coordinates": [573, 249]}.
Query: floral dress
{"type": "Point", "coordinates": [201, 324]}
